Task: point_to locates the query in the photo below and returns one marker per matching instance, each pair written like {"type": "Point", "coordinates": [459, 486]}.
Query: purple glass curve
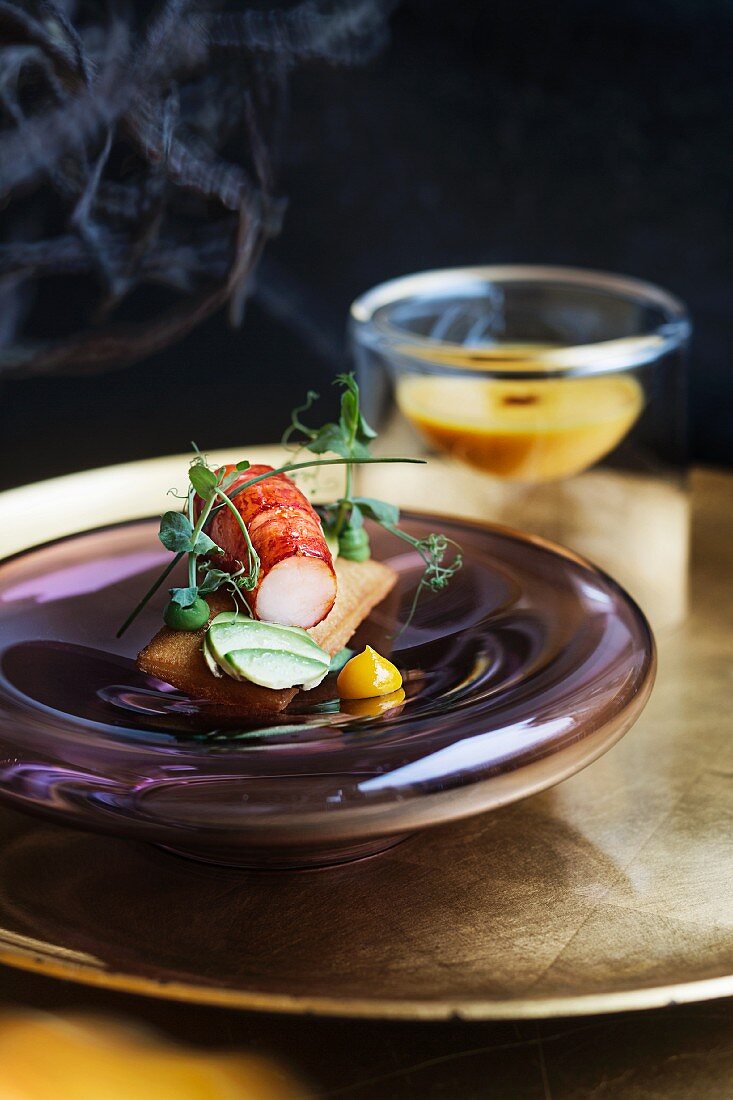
{"type": "Point", "coordinates": [530, 665]}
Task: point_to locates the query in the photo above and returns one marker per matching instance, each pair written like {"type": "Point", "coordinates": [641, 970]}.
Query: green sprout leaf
{"type": "Point", "coordinates": [203, 479]}
{"type": "Point", "coordinates": [177, 535]}
{"type": "Point", "coordinates": [352, 420]}
{"type": "Point", "coordinates": [214, 579]}
{"type": "Point", "coordinates": [331, 437]}
{"type": "Point", "coordinates": [184, 597]}
{"type": "Point", "coordinates": [349, 438]}
{"type": "Point", "coordinates": [349, 408]}
{"type": "Point", "coordinates": [379, 510]}
{"type": "Point", "coordinates": [205, 545]}
{"type": "Point", "coordinates": [225, 481]}
{"type": "Point", "coordinates": [176, 532]}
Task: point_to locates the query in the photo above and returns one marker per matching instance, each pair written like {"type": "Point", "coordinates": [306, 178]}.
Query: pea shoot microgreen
{"type": "Point", "coordinates": [209, 490]}
{"type": "Point", "coordinates": [343, 521]}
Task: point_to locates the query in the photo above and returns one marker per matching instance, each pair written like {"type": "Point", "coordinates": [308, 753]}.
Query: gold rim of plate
{"type": "Point", "coordinates": [33, 515]}
{"type": "Point", "coordinates": [585, 1004]}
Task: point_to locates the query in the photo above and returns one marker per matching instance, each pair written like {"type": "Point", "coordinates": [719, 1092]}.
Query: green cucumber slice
{"type": "Point", "coordinates": [227, 632]}
{"type": "Point", "coordinates": [227, 618]}
{"type": "Point", "coordinates": [275, 668]}
{"type": "Point", "coordinates": [266, 654]}
{"type": "Point", "coordinates": [209, 658]}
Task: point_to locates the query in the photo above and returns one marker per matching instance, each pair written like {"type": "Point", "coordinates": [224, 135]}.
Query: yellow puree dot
{"type": "Point", "coordinates": [368, 675]}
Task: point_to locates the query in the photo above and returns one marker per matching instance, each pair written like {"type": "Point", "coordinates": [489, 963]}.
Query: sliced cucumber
{"type": "Point", "coordinates": [209, 658]}
{"type": "Point", "coordinates": [275, 668]}
{"type": "Point", "coordinates": [267, 654]}
{"type": "Point", "coordinates": [229, 632]}
{"type": "Point", "coordinates": [227, 618]}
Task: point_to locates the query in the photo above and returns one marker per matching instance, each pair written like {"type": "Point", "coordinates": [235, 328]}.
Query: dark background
{"type": "Point", "coordinates": [574, 133]}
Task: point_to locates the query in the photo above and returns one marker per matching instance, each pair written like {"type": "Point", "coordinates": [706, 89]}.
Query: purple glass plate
{"type": "Point", "coordinates": [528, 667]}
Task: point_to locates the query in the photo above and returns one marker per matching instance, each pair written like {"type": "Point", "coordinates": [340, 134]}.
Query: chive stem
{"type": "Point", "coordinates": [149, 594]}
{"type": "Point", "coordinates": [288, 467]}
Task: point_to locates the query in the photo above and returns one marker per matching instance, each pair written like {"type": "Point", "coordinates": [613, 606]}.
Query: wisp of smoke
{"type": "Point", "coordinates": [138, 151]}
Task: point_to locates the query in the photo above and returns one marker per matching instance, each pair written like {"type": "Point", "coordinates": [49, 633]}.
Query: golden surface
{"type": "Point", "coordinates": [611, 891]}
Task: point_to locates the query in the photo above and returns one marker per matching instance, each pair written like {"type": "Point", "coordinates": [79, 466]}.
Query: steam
{"type": "Point", "coordinates": [113, 168]}
{"type": "Point", "coordinates": [346, 35]}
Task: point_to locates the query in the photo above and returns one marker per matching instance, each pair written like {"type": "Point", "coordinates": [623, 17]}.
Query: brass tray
{"type": "Point", "coordinates": [607, 893]}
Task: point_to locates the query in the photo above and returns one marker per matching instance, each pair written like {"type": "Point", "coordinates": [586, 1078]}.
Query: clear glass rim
{"type": "Point", "coordinates": [432, 355]}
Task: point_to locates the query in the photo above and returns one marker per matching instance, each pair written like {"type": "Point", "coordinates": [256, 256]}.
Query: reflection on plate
{"type": "Point", "coordinates": [529, 666]}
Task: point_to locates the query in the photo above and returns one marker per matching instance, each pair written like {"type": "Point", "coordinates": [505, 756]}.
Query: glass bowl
{"type": "Point", "coordinates": [559, 394]}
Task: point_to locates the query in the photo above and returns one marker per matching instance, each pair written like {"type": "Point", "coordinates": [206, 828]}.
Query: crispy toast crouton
{"type": "Point", "coordinates": [175, 657]}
